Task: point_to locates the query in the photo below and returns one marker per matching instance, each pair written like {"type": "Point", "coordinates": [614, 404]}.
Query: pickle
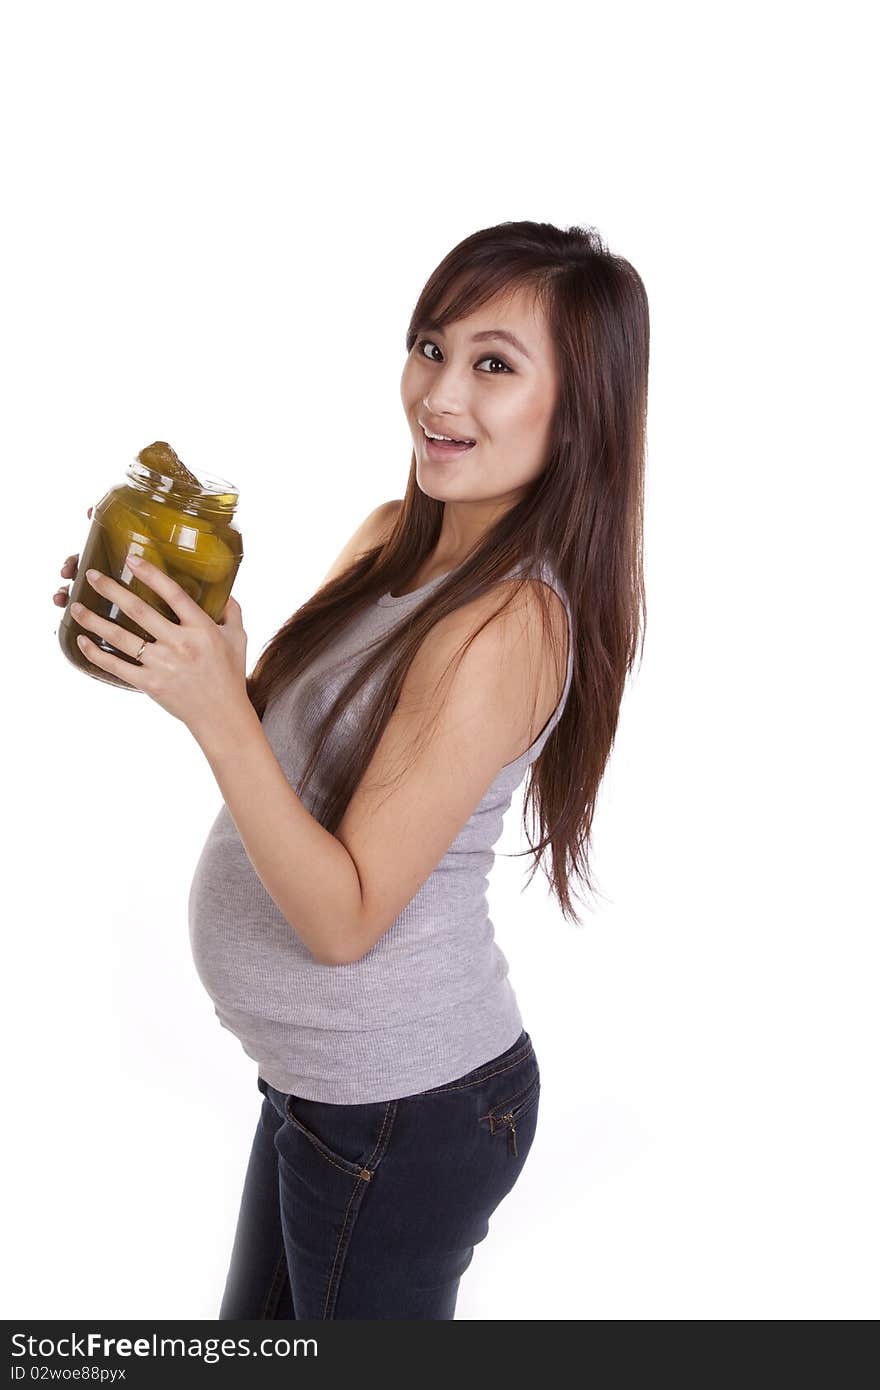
{"type": "Point", "coordinates": [215, 598]}
{"type": "Point", "coordinates": [142, 590]}
{"type": "Point", "coordinates": [151, 517]}
{"type": "Point", "coordinates": [125, 531]}
{"type": "Point", "coordinates": [161, 458]}
{"type": "Point", "coordinates": [192, 586]}
{"type": "Point", "coordinates": [189, 544]}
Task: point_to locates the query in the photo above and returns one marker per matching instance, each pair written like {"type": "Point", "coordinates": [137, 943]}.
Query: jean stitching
{"type": "Point", "coordinates": [344, 1236]}
{"type": "Point", "coordinates": [483, 1076]}
{"type": "Point", "coordinates": [347, 1165]}
{"type": "Point", "coordinates": [520, 1106]}
{"type": "Point", "coordinates": [270, 1305]}
{"type": "Point", "coordinates": [358, 1192]}
{"type": "Point", "coordinates": [384, 1135]}
{"type": "Point", "coordinates": [344, 1165]}
{"type": "Point", "coordinates": [517, 1098]}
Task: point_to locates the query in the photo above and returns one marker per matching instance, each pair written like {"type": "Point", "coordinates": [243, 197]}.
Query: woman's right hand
{"type": "Point", "coordinates": [68, 571]}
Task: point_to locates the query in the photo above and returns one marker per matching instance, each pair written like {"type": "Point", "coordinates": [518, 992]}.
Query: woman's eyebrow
{"type": "Point", "coordinates": [508, 338]}
{"type": "Point", "coordinates": [490, 333]}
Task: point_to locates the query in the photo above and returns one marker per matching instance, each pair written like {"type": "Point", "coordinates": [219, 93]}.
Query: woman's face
{"type": "Point", "coordinates": [490, 391]}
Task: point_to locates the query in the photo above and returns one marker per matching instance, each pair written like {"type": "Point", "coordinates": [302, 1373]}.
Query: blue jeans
{"type": "Point", "coordinates": [373, 1211]}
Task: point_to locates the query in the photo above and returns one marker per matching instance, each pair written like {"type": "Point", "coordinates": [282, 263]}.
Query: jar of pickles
{"type": "Point", "coordinates": [181, 523]}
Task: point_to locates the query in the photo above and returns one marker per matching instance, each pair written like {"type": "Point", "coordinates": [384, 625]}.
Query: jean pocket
{"type": "Point", "coordinates": [505, 1114]}
{"type": "Point", "coordinates": [347, 1136]}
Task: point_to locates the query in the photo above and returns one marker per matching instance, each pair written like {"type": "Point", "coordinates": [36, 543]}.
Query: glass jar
{"type": "Point", "coordinates": [181, 523]}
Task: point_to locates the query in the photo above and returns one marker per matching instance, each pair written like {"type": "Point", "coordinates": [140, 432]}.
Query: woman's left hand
{"type": "Point", "coordinates": [195, 668]}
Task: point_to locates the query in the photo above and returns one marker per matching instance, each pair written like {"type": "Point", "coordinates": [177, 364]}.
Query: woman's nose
{"type": "Point", "coordinates": [444, 401]}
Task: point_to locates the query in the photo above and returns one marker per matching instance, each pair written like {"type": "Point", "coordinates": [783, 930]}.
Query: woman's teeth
{"type": "Point", "coordinates": [448, 445]}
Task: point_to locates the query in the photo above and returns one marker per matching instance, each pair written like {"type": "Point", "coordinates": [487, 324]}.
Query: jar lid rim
{"type": "Point", "coordinates": [212, 484]}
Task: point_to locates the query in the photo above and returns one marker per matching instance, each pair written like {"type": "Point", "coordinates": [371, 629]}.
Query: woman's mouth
{"type": "Point", "coordinates": [441, 450]}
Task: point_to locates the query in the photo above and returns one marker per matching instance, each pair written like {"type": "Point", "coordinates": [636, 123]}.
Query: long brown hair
{"type": "Point", "coordinates": [583, 513]}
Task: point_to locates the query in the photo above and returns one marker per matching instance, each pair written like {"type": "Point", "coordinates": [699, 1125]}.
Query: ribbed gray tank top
{"type": "Point", "coordinates": [431, 999]}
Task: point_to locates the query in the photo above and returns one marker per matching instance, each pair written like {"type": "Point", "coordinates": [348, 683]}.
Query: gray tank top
{"type": "Point", "coordinates": [431, 999]}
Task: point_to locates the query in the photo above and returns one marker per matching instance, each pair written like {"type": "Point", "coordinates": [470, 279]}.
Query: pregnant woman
{"type": "Point", "coordinates": [478, 629]}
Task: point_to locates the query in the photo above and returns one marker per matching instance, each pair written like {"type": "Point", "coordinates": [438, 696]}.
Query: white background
{"type": "Point", "coordinates": [218, 218]}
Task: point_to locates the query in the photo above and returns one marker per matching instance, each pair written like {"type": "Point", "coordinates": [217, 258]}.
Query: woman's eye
{"type": "Point", "coordinates": [502, 363]}
{"type": "Point", "coordinates": [426, 342]}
